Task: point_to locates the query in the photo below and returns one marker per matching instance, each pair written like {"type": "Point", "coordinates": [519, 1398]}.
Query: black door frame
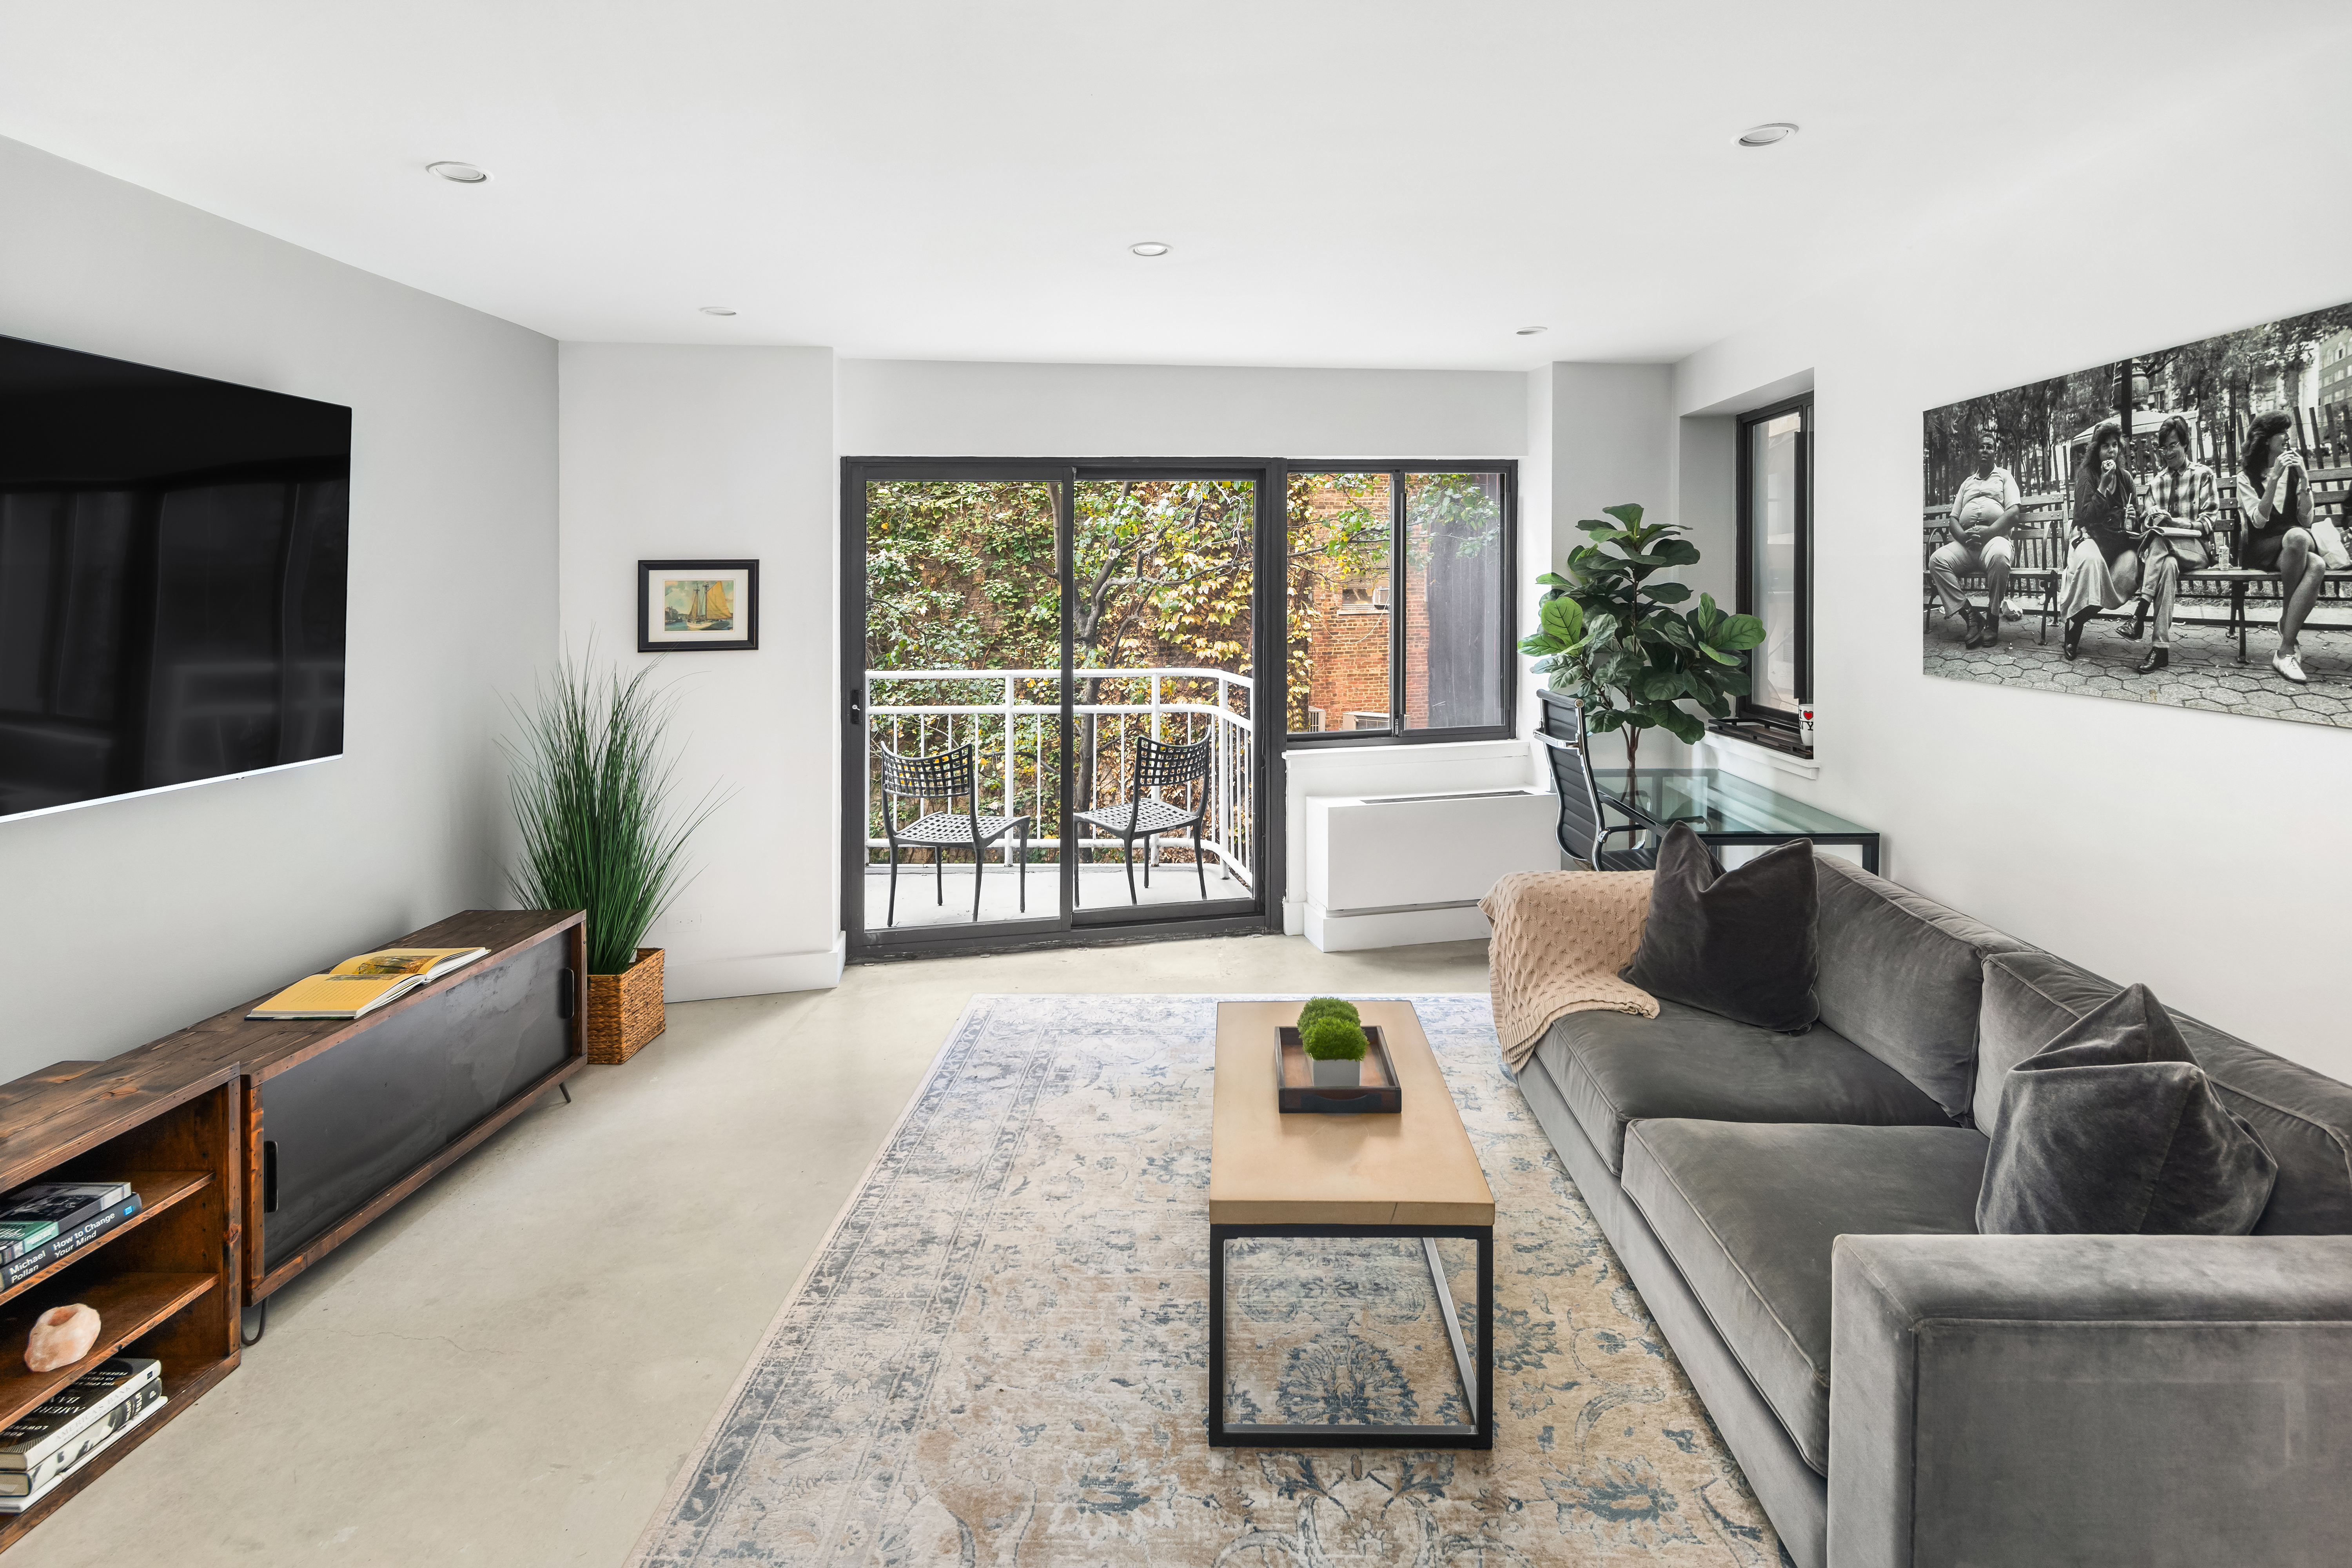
{"type": "Point", "coordinates": [1071, 927]}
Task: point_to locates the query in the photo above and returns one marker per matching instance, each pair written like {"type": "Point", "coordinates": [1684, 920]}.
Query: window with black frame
{"type": "Point", "coordinates": [1776, 572]}
{"type": "Point", "coordinates": [1399, 602]}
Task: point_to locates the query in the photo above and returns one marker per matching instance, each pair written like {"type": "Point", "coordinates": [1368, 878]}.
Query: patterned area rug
{"type": "Point", "coordinates": [999, 1357]}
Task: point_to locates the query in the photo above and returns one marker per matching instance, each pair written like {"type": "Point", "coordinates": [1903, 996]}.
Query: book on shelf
{"type": "Point", "coordinates": [358, 986]}
{"type": "Point", "coordinates": [33, 1216]}
{"type": "Point", "coordinates": [81, 1420]}
{"type": "Point", "coordinates": [66, 1243]}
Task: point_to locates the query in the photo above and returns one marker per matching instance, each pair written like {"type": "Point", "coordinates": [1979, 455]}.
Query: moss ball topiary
{"type": "Point", "coordinates": [1327, 1007]}
{"type": "Point", "coordinates": [1334, 1039]}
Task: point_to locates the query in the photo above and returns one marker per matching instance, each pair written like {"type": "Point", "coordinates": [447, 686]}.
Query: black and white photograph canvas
{"type": "Point", "coordinates": [2168, 527]}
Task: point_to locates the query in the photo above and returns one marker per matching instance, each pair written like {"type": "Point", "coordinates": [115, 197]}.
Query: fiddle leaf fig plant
{"type": "Point", "coordinates": [1613, 639]}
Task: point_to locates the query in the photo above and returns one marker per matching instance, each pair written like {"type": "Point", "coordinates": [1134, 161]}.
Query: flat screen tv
{"type": "Point", "coordinates": [172, 563]}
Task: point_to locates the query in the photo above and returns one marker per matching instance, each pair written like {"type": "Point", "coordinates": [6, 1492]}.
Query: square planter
{"type": "Point", "coordinates": [625, 1010]}
{"type": "Point", "coordinates": [1347, 1074]}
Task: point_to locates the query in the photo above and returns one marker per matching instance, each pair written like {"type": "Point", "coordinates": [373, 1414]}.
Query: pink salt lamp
{"type": "Point", "coordinates": [61, 1336]}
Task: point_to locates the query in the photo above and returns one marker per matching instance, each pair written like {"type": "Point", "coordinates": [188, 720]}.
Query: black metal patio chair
{"type": "Point", "coordinates": [1143, 814]}
{"type": "Point", "coordinates": [1584, 828]}
{"type": "Point", "coordinates": [945, 776]}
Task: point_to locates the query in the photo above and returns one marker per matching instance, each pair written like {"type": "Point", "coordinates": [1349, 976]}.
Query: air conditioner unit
{"type": "Point", "coordinates": [1391, 870]}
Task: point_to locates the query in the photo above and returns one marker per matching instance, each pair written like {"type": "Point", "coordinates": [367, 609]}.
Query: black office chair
{"type": "Point", "coordinates": [943, 776]}
{"type": "Point", "coordinates": [1158, 765]}
{"type": "Point", "coordinates": [1583, 827]}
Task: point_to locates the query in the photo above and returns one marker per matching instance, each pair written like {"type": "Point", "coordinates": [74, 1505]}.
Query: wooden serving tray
{"type": "Point", "coordinates": [1293, 1079]}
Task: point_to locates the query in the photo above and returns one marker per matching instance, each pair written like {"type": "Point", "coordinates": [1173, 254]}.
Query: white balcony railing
{"type": "Point", "coordinates": [1016, 753]}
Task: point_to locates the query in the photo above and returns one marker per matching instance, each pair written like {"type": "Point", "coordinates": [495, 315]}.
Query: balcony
{"type": "Point", "coordinates": [1012, 719]}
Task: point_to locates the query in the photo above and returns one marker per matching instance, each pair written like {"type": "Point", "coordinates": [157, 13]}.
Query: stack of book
{"type": "Point", "coordinates": [49, 1220]}
{"type": "Point", "coordinates": [358, 986]}
{"type": "Point", "coordinates": [80, 1420]}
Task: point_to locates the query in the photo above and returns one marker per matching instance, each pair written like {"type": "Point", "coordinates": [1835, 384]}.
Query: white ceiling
{"type": "Point", "coordinates": [1344, 183]}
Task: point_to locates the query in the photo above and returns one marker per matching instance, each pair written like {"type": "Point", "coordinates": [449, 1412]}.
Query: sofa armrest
{"type": "Point", "coordinates": [2090, 1399]}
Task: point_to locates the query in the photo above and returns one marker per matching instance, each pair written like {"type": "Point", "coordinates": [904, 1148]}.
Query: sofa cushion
{"type": "Point", "coordinates": [2113, 1129]}
{"type": "Point", "coordinates": [1614, 1067]}
{"type": "Point", "coordinates": [1738, 943]}
{"type": "Point", "coordinates": [2304, 1118]}
{"type": "Point", "coordinates": [1901, 976]}
{"type": "Point", "coordinates": [1750, 1213]}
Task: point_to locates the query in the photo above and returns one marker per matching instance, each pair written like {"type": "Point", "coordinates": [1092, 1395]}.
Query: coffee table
{"type": "Point", "coordinates": [1412, 1175]}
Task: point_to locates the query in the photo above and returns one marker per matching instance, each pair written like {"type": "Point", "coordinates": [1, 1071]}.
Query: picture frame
{"type": "Point", "coordinates": [700, 607]}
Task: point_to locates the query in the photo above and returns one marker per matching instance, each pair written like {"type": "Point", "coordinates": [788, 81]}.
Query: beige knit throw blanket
{"type": "Point", "coordinates": [1560, 937]}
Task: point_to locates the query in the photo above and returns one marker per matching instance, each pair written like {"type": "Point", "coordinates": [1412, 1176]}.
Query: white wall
{"type": "Point", "coordinates": [934, 408]}
{"type": "Point", "coordinates": [2199, 852]}
{"type": "Point", "coordinates": [1612, 442]}
{"type": "Point", "coordinates": [122, 921]}
{"type": "Point", "coordinates": [679, 453]}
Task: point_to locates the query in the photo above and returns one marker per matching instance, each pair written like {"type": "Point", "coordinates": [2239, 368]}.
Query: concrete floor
{"type": "Point", "coordinates": [1101, 885]}
{"type": "Point", "coordinates": [509, 1368]}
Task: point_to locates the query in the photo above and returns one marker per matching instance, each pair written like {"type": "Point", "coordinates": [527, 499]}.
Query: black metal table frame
{"type": "Point", "coordinates": [1477, 1373]}
{"type": "Point", "coordinates": [1866, 842]}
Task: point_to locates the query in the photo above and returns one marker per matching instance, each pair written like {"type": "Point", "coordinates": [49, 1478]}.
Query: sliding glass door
{"type": "Point", "coordinates": [1052, 716]}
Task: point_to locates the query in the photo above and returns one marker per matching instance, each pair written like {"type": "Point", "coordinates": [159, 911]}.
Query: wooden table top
{"type": "Point", "coordinates": [264, 1046]}
{"type": "Point", "coordinates": [1266, 1168]}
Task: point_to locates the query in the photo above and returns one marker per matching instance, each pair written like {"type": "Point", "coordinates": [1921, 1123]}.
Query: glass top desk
{"type": "Point", "coordinates": [1723, 808]}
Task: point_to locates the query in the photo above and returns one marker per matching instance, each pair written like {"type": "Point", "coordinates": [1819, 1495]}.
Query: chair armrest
{"type": "Point", "coordinates": [2090, 1399]}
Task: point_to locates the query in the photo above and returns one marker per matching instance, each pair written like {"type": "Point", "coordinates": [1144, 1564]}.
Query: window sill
{"type": "Point", "coordinates": [1788, 758]}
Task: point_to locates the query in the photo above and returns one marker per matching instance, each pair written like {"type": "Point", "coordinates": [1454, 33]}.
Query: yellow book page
{"type": "Point", "coordinates": [400, 960]}
{"type": "Point", "coordinates": [334, 995]}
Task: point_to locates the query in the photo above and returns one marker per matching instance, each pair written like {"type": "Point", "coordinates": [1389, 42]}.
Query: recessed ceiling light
{"type": "Point", "coordinates": [1530, 331]}
{"type": "Point", "coordinates": [1764, 135]}
{"type": "Point", "coordinates": [1150, 247]}
{"type": "Point", "coordinates": [458, 173]}
{"type": "Point", "coordinates": [715, 310]}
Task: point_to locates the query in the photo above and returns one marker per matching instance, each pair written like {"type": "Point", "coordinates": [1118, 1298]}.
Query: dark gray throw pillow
{"type": "Point", "coordinates": [1741, 943]}
{"type": "Point", "coordinates": [2111, 1130]}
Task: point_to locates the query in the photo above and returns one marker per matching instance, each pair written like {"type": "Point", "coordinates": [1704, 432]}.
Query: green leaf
{"type": "Point", "coordinates": [1706, 607]}
{"type": "Point", "coordinates": [1736, 631]}
{"type": "Point", "coordinates": [1598, 529]}
{"type": "Point", "coordinates": [1562, 618]}
{"type": "Point", "coordinates": [1687, 728]}
{"type": "Point", "coordinates": [1668, 592]}
{"type": "Point", "coordinates": [1604, 720]}
{"type": "Point", "coordinates": [1675, 553]}
{"type": "Point", "coordinates": [1539, 645]}
{"type": "Point", "coordinates": [1734, 683]}
{"type": "Point", "coordinates": [1717, 655]}
{"type": "Point", "coordinates": [1629, 513]}
{"type": "Point", "coordinates": [1552, 580]}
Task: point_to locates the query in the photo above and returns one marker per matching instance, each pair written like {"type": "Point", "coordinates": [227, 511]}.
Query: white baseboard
{"type": "Point", "coordinates": [1402, 928]}
{"type": "Point", "coordinates": [759, 975]}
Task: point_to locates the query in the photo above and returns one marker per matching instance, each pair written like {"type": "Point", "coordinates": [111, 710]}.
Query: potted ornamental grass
{"type": "Point", "coordinates": [1331, 1033]}
{"type": "Point", "coordinates": [591, 787]}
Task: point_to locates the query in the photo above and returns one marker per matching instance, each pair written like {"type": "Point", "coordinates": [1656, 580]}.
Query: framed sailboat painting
{"type": "Point", "coordinates": [711, 605]}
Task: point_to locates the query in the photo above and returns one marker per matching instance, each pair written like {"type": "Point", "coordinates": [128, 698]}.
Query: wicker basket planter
{"type": "Point", "coordinates": [625, 1010]}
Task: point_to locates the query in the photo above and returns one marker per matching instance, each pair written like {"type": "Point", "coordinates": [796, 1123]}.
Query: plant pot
{"type": "Point", "coordinates": [625, 1010]}
{"type": "Point", "coordinates": [1344, 1073]}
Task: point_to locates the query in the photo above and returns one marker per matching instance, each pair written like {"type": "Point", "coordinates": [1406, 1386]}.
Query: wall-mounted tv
{"type": "Point", "coordinates": [172, 555]}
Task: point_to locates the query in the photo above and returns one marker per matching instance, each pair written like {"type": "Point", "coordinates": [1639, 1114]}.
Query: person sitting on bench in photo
{"type": "Point", "coordinates": [2103, 569]}
{"type": "Point", "coordinates": [1984, 509]}
{"type": "Point", "coordinates": [2275, 510]}
{"type": "Point", "coordinates": [2182, 504]}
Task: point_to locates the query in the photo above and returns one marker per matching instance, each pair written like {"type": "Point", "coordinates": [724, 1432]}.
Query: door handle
{"type": "Point", "coordinates": [269, 1175]}
{"type": "Point", "coordinates": [856, 705]}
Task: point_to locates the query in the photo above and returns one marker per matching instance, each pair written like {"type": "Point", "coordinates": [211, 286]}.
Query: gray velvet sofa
{"type": "Point", "coordinates": [1799, 1214]}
